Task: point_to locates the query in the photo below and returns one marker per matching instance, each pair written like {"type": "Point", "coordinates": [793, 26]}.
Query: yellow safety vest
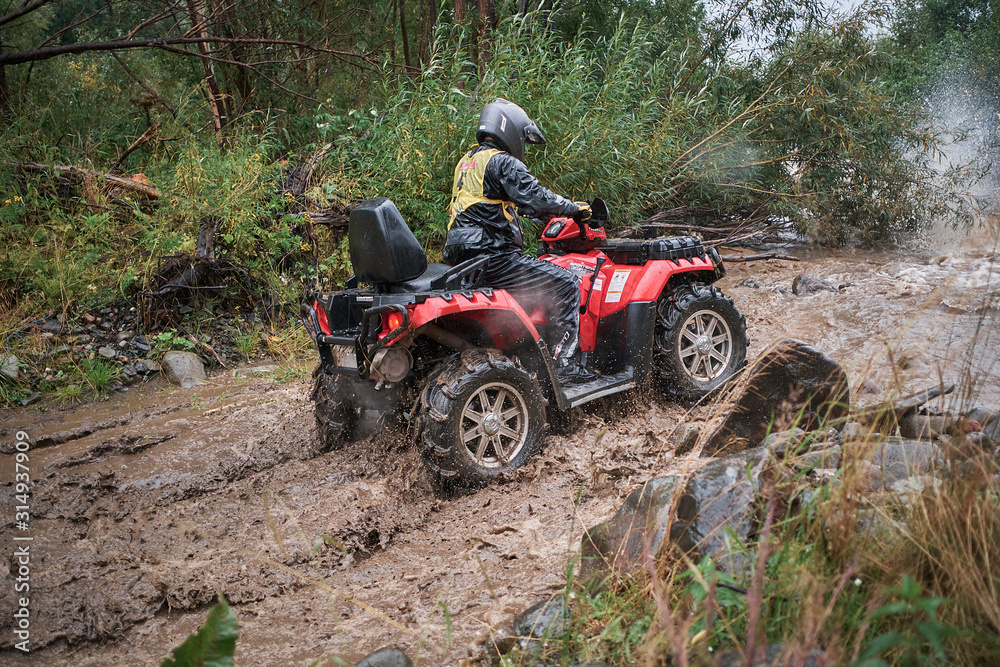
{"type": "Point", "coordinates": [468, 187]}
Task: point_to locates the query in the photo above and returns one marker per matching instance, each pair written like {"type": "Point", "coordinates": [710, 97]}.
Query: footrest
{"type": "Point", "coordinates": [606, 385]}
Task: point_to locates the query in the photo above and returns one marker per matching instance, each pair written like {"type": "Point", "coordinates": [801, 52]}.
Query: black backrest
{"type": "Point", "coordinates": [382, 247]}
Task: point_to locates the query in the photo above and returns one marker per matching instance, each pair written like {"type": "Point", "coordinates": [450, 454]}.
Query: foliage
{"type": "Point", "coordinates": [98, 374]}
{"type": "Point", "coordinates": [214, 643]}
{"type": "Point", "coordinates": [811, 133]}
{"type": "Point", "coordinates": [171, 340]}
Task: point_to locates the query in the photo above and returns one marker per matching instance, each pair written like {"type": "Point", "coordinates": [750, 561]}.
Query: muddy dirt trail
{"type": "Point", "coordinates": [149, 504]}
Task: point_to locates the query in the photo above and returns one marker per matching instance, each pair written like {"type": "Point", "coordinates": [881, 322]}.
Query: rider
{"type": "Point", "coordinates": [492, 186]}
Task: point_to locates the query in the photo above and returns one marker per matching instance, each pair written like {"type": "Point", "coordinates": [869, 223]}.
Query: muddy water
{"type": "Point", "coordinates": [148, 505]}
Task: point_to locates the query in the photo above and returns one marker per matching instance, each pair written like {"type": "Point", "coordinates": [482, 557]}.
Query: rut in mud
{"type": "Point", "coordinates": [147, 506]}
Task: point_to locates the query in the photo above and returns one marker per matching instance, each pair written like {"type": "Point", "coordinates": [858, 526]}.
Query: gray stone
{"type": "Point", "coordinates": [750, 282]}
{"type": "Point", "coordinates": [107, 352]}
{"type": "Point", "coordinates": [989, 420]}
{"type": "Point", "coordinates": [853, 431]}
{"type": "Point", "coordinates": [549, 618]}
{"type": "Point", "coordinates": [914, 486]}
{"type": "Point", "coordinates": [885, 476]}
{"type": "Point", "coordinates": [9, 366]}
{"type": "Point", "coordinates": [775, 656]}
{"type": "Point", "coordinates": [125, 335]}
{"type": "Point", "coordinates": [500, 642]}
{"type": "Point", "coordinates": [183, 368]}
{"type": "Point", "coordinates": [684, 437]}
{"type": "Point", "coordinates": [52, 326]}
{"type": "Point", "coordinates": [807, 283]}
{"type": "Point", "coordinates": [790, 385]}
{"type": "Point", "coordinates": [782, 441]}
{"type": "Point", "coordinates": [618, 544]}
{"type": "Point", "coordinates": [140, 345]}
{"type": "Point", "coordinates": [256, 370]}
{"type": "Point", "coordinates": [386, 657]}
{"type": "Point", "coordinates": [32, 398]}
{"type": "Point", "coordinates": [872, 386]}
{"type": "Point", "coordinates": [151, 366]}
{"type": "Point", "coordinates": [128, 374]}
{"type": "Point", "coordinates": [826, 457]}
{"type": "Point", "coordinates": [976, 442]}
{"type": "Point", "coordinates": [918, 455]}
{"type": "Point", "coordinates": [716, 510]}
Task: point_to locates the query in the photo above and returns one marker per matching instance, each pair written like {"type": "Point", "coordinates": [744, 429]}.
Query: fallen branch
{"type": "Point", "coordinates": [901, 407]}
{"type": "Point", "coordinates": [120, 181]}
{"type": "Point", "coordinates": [759, 257]}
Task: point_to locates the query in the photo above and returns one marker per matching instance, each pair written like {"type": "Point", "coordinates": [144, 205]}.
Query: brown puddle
{"type": "Point", "coordinates": [182, 494]}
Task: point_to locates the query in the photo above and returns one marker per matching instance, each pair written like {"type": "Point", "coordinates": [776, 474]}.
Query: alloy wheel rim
{"type": "Point", "coordinates": [494, 426]}
{"type": "Point", "coordinates": [705, 346]}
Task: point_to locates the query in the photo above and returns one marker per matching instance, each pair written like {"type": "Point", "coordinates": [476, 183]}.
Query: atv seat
{"type": "Point", "coordinates": [467, 275]}
{"type": "Point", "coordinates": [383, 249]}
{"type": "Point", "coordinates": [385, 253]}
{"type": "Point", "coordinates": [421, 283]}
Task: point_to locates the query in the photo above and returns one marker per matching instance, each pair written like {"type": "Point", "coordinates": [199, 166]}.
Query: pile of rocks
{"type": "Point", "coordinates": [714, 511]}
{"type": "Point", "coordinates": [110, 335]}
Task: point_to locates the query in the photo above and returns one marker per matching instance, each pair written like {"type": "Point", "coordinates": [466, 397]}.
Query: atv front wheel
{"type": "Point", "coordinates": [701, 338]}
{"type": "Point", "coordinates": [482, 416]}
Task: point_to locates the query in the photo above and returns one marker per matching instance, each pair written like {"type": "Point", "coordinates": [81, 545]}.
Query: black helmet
{"type": "Point", "coordinates": [509, 126]}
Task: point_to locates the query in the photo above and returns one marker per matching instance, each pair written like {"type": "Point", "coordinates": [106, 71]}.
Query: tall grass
{"type": "Point", "coordinates": [813, 133]}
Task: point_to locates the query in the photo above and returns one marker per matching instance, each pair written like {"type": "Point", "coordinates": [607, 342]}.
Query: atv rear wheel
{"type": "Point", "coordinates": [335, 417]}
{"type": "Point", "coordinates": [701, 339]}
{"type": "Point", "coordinates": [482, 415]}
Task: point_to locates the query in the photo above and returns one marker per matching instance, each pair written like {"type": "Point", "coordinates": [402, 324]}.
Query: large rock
{"type": "Point", "coordinates": [183, 368]}
{"type": "Point", "coordinates": [717, 510]}
{"type": "Point", "coordinates": [386, 657]}
{"type": "Point", "coordinates": [790, 385]}
{"type": "Point", "coordinates": [988, 420]}
{"type": "Point", "coordinates": [618, 544]}
{"type": "Point", "coordinates": [549, 618]}
{"type": "Point", "coordinates": [9, 365]}
{"type": "Point", "coordinates": [716, 505]}
{"type": "Point", "coordinates": [807, 283]}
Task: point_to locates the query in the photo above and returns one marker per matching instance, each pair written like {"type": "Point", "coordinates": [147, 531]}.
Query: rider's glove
{"type": "Point", "coordinates": [583, 212]}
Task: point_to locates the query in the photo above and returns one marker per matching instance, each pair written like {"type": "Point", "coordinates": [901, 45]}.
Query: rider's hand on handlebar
{"type": "Point", "coordinates": [583, 212]}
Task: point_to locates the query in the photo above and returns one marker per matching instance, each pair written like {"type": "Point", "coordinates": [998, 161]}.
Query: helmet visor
{"type": "Point", "coordinates": [532, 134]}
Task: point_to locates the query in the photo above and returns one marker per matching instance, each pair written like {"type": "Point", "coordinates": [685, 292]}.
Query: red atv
{"type": "Point", "coordinates": [465, 364]}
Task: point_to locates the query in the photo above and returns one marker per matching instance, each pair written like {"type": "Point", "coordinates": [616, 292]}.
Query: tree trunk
{"type": "Point", "coordinates": [486, 20]}
{"type": "Point", "coordinates": [4, 93]}
{"type": "Point", "coordinates": [4, 88]}
{"type": "Point", "coordinates": [402, 30]}
{"type": "Point", "coordinates": [215, 99]}
{"type": "Point", "coordinates": [459, 11]}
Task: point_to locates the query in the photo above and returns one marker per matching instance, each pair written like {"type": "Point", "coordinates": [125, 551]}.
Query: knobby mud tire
{"type": "Point", "coordinates": [335, 417]}
{"type": "Point", "coordinates": [680, 308]}
{"type": "Point", "coordinates": [455, 393]}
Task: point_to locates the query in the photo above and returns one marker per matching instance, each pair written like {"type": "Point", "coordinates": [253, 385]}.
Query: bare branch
{"type": "Point", "coordinates": [32, 55]}
{"type": "Point", "coordinates": [26, 9]}
{"type": "Point", "coordinates": [124, 183]}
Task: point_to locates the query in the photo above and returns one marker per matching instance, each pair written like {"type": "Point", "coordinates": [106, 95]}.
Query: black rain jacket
{"type": "Point", "coordinates": [483, 229]}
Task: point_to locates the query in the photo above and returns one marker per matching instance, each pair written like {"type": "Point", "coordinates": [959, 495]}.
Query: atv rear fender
{"type": "Point", "coordinates": [499, 316]}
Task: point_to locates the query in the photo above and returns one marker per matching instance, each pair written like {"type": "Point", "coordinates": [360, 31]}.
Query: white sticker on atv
{"type": "Point", "coordinates": [617, 285]}
{"type": "Point", "coordinates": [598, 284]}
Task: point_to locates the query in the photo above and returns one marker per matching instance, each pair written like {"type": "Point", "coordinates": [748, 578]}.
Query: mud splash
{"type": "Point", "coordinates": [148, 505]}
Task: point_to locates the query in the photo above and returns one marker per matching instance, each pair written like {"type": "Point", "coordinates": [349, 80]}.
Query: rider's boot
{"type": "Point", "coordinates": [571, 371]}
